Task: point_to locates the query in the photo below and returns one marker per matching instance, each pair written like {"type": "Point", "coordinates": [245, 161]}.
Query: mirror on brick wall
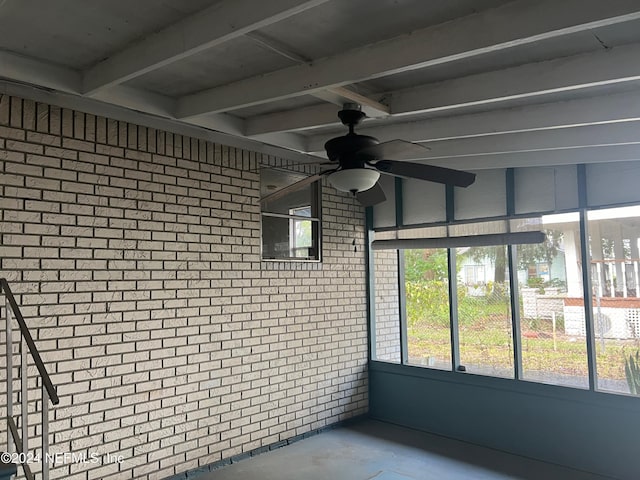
{"type": "Point", "coordinates": [290, 219]}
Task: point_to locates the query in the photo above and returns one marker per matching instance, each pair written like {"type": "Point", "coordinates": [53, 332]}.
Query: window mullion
{"type": "Point", "coordinates": [588, 307]}
{"type": "Point", "coordinates": [452, 277]}
{"type": "Point", "coordinates": [512, 258]}
{"type": "Point", "coordinates": [402, 309]}
{"type": "Point", "coordinates": [453, 308]}
{"type": "Point", "coordinates": [585, 259]}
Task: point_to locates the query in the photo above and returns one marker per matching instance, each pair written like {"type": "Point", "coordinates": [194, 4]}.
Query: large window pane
{"type": "Point", "coordinates": [552, 323]}
{"type": "Point", "coordinates": [484, 311]}
{"type": "Point", "coordinates": [614, 253]}
{"type": "Point", "coordinates": [427, 304]}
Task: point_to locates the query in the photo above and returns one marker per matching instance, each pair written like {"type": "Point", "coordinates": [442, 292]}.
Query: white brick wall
{"type": "Point", "coordinates": [135, 254]}
{"type": "Point", "coordinates": [387, 305]}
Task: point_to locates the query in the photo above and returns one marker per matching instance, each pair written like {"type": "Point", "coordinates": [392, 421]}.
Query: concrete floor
{"type": "Point", "coordinates": [374, 450]}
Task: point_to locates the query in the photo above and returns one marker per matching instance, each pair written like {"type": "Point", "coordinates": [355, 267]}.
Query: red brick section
{"type": "Point", "coordinates": [610, 302]}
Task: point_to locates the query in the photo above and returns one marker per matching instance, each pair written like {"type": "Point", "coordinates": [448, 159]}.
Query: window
{"type": "Point", "coordinates": [427, 308]}
{"type": "Point", "coordinates": [536, 333]}
{"type": "Point", "coordinates": [552, 322]}
{"type": "Point", "coordinates": [613, 235]}
{"type": "Point", "coordinates": [474, 275]}
{"type": "Point", "coordinates": [484, 312]}
{"type": "Point", "coordinates": [563, 311]}
{"type": "Point", "coordinates": [290, 216]}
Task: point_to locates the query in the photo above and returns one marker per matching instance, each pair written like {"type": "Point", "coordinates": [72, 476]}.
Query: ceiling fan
{"type": "Point", "coordinates": [361, 159]}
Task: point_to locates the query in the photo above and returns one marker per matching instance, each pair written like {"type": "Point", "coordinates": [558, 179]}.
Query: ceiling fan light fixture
{"type": "Point", "coordinates": [354, 180]}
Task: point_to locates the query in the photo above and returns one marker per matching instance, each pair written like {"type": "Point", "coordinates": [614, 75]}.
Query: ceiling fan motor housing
{"type": "Point", "coordinates": [345, 148]}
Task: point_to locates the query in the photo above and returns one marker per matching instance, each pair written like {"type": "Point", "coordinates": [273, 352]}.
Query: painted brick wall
{"type": "Point", "coordinates": [136, 257]}
{"type": "Point", "coordinates": [387, 305]}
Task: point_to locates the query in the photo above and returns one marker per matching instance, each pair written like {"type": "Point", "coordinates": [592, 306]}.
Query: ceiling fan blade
{"type": "Point", "coordinates": [430, 173]}
{"type": "Point", "coordinates": [320, 163]}
{"type": "Point", "coordinates": [395, 150]}
{"type": "Point", "coordinates": [294, 187]}
{"type": "Point", "coordinates": [371, 197]}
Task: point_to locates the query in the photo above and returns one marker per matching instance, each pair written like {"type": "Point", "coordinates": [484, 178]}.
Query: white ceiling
{"type": "Point", "coordinates": [484, 82]}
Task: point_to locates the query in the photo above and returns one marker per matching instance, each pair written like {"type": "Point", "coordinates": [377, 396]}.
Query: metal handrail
{"type": "Point", "coordinates": [21, 444]}
{"type": "Point", "coordinates": [46, 379]}
{"type": "Point", "coordinates": [19, 447]}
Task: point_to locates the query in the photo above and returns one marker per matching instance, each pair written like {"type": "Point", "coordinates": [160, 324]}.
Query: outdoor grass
{"type": "Point", "coordinates": [488, 341]}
